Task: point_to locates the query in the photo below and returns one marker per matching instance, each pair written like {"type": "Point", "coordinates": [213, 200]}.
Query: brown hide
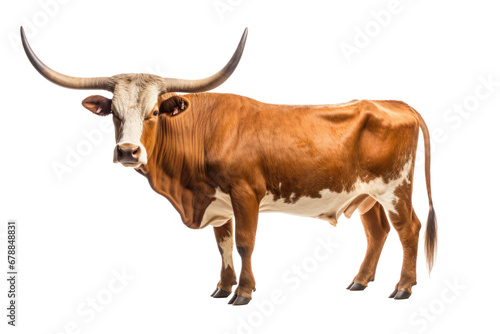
{"type": "Point", "coordinates": [220, 140]}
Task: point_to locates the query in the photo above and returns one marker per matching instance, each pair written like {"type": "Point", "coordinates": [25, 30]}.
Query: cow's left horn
{"type": "Point", "coordinates": [61, 79]}
{"type": "Point", "coordinates": [202, 85]}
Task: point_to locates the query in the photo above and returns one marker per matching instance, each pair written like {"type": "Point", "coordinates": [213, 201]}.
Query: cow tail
{"type": "Point", "coordinates": [431, 228]}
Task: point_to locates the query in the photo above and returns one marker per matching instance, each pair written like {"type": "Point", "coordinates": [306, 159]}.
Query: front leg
{"type": "Point", "coordinates": [246, 213]}
{"type": "Point", "coordinates": [224, 237]}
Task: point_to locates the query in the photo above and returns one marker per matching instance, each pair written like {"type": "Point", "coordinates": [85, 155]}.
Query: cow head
{"type": "Point", "coordinates": [134, 105]}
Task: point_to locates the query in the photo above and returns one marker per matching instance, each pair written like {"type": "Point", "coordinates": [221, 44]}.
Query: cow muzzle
{"type": "Point", "coordinates": [129, 155]}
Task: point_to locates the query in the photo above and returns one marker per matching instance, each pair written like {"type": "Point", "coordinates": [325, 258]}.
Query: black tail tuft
{"type": "Point", "coordinates": [431, 238]}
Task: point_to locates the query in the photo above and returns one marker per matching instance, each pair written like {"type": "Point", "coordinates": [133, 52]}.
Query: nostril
{"type": "Point", "coordinates": [136, 152]}
{"type": "Point", "coordinates": [119, 150]}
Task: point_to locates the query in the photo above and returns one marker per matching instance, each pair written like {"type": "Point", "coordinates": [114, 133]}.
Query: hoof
{"type": "Point", "coordinates": [219, 293]}
{"type": "Point", "coordinates": [233, 298]}
{"type": "Point", "coordinates": [402, 295]}
{"type": "Point", "coordinates": [356, 287]}
{"type": "Point", "coordinates": [239, 300]}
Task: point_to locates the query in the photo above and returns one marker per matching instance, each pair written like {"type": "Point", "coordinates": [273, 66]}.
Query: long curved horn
{"type": "Point", "coordinates": [61, 79]}
{"type": "Point", "coordinates": [202, 85]}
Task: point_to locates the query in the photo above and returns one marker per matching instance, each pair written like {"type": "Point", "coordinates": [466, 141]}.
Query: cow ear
{"type": "Point", "coordinates": [98, 104]}
{"type": "Point", "coordinates": [174, 105]}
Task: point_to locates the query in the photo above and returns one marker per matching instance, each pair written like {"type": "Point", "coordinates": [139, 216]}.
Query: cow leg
{"type": "Point", "coordinates": [407, 225]}
{"type": "Point", "coordinates": [224, 237]}
{"type": "Point", "coordinates": [246, 212]}
{"type": "Point", "coordinates": [376, 229]}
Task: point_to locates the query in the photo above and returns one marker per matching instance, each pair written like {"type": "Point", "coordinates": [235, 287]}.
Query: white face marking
{"type": "Point", "coordinates": [227, 250]}
{"type": "Point", "coordinates": [329, 207]}
{"type": "Point", "coordinates": [134, 97]}
{"type": "Point", "coordinates": [129, 132]}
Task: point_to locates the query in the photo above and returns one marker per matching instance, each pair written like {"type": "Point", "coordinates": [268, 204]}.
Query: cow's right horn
{"type": "Point", "coordinates": [202, 85]}
{"type": "Point", "coordinates": [61, 79]}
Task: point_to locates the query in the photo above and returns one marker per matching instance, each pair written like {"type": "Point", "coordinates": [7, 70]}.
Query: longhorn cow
{"type": "Point", "coordinates": [219, 156]}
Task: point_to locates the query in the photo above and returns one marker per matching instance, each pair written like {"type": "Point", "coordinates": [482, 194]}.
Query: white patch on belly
{"type": "Point", "coordinates": [329, 207]}
{"type": "Point", "coordinates": [384, 192]}
{"type": "Point", "coordinates": [227, 250]}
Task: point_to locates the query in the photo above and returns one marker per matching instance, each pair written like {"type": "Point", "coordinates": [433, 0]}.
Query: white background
{"type": "Point", "coordinates": [75, 231]}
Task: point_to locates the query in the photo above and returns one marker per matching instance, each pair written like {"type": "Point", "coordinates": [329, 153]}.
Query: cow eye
{"type": "Point", "coordinates": [155, 113]}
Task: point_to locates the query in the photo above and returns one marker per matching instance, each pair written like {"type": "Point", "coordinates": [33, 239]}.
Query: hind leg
{"type": "Point", "coordinates": [407, 225]}
{"type": "Point", "coordinates": [376, 228]}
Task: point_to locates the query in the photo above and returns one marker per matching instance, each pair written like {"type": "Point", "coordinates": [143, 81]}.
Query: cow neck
{"type": "Point", "coordinates": [176, 170]}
